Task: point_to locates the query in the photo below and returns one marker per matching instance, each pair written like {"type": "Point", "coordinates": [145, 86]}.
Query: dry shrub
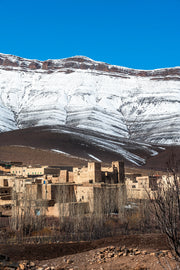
{"type": "Point", "coordinates": [43, 232]}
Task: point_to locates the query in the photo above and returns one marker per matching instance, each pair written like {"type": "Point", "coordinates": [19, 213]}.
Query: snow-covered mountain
{"type": "Point", "coordinates": [142, 106]}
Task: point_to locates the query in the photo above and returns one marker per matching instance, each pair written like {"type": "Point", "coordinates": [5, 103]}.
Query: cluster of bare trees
{"type": "Point", "coordinates": [165, 206]}
{"type": "Point", "coordinates": [28, 214]}
{"type": "Point", "coordinates": [97, 223]}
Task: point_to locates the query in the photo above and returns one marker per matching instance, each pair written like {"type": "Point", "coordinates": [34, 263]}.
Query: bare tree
{"type": "Point", "coordinates": [165, 204]}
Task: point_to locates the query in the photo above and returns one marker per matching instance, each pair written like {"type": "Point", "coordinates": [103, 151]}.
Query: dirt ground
{"type": "Point", "coordinates": [85, 261]}
{"type": "Point", "coordinates": [80, 255]}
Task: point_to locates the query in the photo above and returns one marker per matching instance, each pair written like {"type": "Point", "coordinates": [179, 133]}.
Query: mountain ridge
{"type": "Point", "coordinates": [8, 60]}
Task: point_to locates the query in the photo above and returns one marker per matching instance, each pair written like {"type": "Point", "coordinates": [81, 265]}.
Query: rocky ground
{"type": "Point", "coordinates": [135, 252]}
{"type": "Point", "coordinates": [112, 258]}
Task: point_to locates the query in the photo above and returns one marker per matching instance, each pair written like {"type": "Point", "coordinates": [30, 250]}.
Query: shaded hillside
{"type": "Point", "coordinates": [167, 159]}
{"type": "Point", "coordinates": [73, 147]}
{"type": "Point", "coordinates": [75, 142]}
{"type": "Point", "coordinates": [34, 156]}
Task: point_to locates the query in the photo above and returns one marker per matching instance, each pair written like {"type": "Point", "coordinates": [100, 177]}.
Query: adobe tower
{"type": "Point", "coordinates": [119, 165]}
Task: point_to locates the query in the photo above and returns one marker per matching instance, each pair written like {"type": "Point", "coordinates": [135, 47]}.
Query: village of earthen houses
{"type": "Point", "coordinates": [67, 190]}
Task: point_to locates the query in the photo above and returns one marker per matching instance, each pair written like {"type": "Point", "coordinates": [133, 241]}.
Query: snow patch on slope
{"type": "Point", "coordinates": [93, 157]}
{"type": "Point", "coordinates": [60, 152]}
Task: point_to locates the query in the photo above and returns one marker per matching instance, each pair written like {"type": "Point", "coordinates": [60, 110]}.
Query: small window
{"type": "Point", "coordinates": [5, 183]}
{"type": "Point", "coordinates": [37, 212]}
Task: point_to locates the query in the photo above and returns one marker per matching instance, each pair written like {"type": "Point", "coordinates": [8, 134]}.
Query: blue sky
{"type": "Point", "coordinates": [138, 34]}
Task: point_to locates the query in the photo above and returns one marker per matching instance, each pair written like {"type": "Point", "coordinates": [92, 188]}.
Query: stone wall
{"type": "Point", "coordinates": [141, 187]}
{"type": "Point", "coordinates": [70, 177]}
{"type": "Point", "coordinates": [85, 193]}
{"type": "Point", "coordinates": [34, 191]}
{"type": "Point", "coordinates": [58, 192]}
{"type": "Point", "coordinates": [102, 198]}
{"type": "Point", "coordinates": [80, 175]}
{"type": "Point", "coordinates": [63, 176]}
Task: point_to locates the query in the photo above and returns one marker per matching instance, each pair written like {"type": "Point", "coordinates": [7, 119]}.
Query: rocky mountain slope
{"type": "Point", "coordinates": [118, 105]}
